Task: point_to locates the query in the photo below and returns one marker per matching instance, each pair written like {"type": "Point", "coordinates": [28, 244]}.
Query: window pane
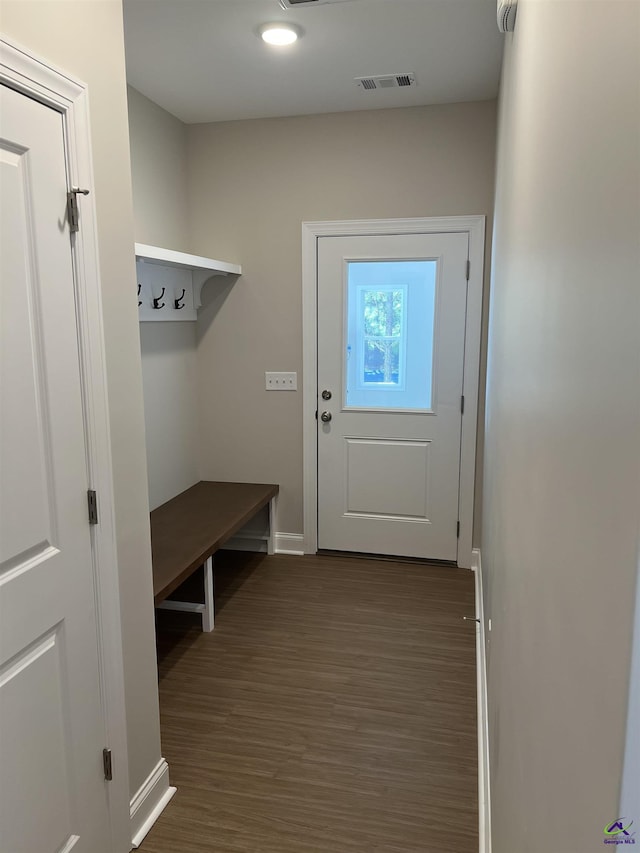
{"type": "Point", "coordinates": [382, 312]}
{"type": "Point", "coordinates": [390, 326]}
{"type": "Point", "coordinates": [381, 362]}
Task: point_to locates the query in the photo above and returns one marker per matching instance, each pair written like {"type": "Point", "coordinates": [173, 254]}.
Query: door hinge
{"type": "Point", "coordinates": [468, 270]}
{"type": "Point", "coordinates": [458, 530]}
{"type": "Point", "coordinates": [316, 414]}
{"type": "Point", "coordinates": [107, 764]}
{"type": "Point", "coordinates": [462, 405]}
{"type": "Point", "coordinates": [92, 505]}
{"type": "Point", "coordinates": [73, 212]}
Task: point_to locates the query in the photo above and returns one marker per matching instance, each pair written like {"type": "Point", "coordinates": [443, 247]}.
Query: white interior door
{"type": "Point", "coordinates": [53, 795]}
{"type": "Point", "coordinates": [391, 331]}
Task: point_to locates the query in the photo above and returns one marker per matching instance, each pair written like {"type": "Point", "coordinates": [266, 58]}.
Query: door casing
{"type": "Point", "coordinates": [24, 72]}
{"type": "Point", "coordinates": [474, 226]}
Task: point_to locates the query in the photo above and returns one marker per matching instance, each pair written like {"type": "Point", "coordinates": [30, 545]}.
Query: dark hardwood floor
{"type": "Point", "coordinates": [332, 710]}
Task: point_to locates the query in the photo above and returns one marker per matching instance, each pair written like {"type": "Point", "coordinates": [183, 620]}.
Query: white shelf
{"type": "Point", "coordinates": [182, 260]}
{"type": "Point", "coordinates": [170, 275]}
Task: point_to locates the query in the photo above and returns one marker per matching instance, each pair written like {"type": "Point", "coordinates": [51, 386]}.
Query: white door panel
{"type": "Point", "coordinates": [391, 324]}
{"type": "Point", "coordinates": [372, 464]}
{"type": "Point", "coordinates": [52, 791]}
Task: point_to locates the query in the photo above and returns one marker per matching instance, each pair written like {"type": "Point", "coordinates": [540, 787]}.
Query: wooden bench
{"type": "Point", "coordinates": [188, 530]}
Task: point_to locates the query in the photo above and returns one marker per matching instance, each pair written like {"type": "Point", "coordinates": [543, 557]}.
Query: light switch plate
{"type": "Point", "coordinates": [281, 381]}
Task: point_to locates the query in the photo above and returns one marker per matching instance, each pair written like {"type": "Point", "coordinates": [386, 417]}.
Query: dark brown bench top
{"type": "Point", "coordinates": [189, 528]}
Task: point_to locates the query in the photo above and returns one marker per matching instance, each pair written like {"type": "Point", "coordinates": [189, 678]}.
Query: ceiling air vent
{"type": "Point", "coordinates": [295, 4]}
{"type": "Point", "coordinates": [386, 81]}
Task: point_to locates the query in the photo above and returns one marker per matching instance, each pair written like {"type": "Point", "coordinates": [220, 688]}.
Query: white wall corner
{"type": "Point", "coordinates": [484, 782]}
{"type": "Point", "coordinates": [290, 543]}
{"type": "Point", "coordinates": [149, 802]}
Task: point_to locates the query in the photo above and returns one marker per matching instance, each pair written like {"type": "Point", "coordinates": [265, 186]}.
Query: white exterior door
{"type": "Point", "coordinates": [53, 796]}
{"type": "Point", "coordinates": [391, 335]}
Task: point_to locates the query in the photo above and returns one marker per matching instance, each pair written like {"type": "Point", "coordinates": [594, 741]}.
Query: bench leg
{"type": "Point", "coordinates": [207, 610]}
{"type": "Point", "coordinates": [271, 547]}
{"type": "Point", "coordinates": [208, 614]}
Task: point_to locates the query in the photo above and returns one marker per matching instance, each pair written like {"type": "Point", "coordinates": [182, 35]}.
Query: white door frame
{"type": "Point", "coordinates": [25, 73]}
{"type": "Point", "coordinates": [311, 231]}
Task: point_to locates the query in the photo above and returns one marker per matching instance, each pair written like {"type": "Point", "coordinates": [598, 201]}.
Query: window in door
{"type": "Point", "coordinates": [389, 334]}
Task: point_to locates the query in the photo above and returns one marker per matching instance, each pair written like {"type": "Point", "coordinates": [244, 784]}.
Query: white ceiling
{"type": "Point", "coordinates": [202, 60]}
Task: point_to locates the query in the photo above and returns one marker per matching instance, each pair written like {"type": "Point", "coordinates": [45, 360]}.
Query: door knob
{"type": "Point", "coordinates": [326, 395]}
{"type": "Point", "coordinates": [325, 417]}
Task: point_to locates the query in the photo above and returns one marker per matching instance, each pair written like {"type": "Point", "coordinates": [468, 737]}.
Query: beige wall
{"type": "Point", "coordinates": [169, 378]}
{"type": "Point", "coordinates": [86, 40]}
{"type": "Point", "coordinates": [169, 370]}
{"type": "Point", "coordinates": [562, 482]}
{"type": "Point", "coordinates": [251, 185]}
{"type": "Point", "coordinates": [159, 174]}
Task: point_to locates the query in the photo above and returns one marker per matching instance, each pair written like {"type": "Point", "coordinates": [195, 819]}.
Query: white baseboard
{"type": "Point", "coordinates": [285, 543]}
{"type": "Point", "coordinates": [290, 543]}
{"type": "Point", "coordinates": [484, 782]}
{"type": "Point", "coordinates": [246, 542]}
{"type": "Point", "coordinates": [149, 801]}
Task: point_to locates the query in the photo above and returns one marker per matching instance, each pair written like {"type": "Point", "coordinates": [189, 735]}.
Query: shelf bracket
{"type": "Point", "coordinates": [199, 279]}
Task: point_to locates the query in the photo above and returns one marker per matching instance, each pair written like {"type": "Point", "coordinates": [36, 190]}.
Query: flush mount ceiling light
{"type": "Point", "coordinates": [280, 34]}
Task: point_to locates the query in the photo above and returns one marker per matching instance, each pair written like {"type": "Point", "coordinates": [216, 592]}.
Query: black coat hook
{"type": "Point", "coordinates": [177, 302]}
{"type": "Point", "coordinates": [139, 289]}
{"type": "Point", "coordinates": [157, 300]}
